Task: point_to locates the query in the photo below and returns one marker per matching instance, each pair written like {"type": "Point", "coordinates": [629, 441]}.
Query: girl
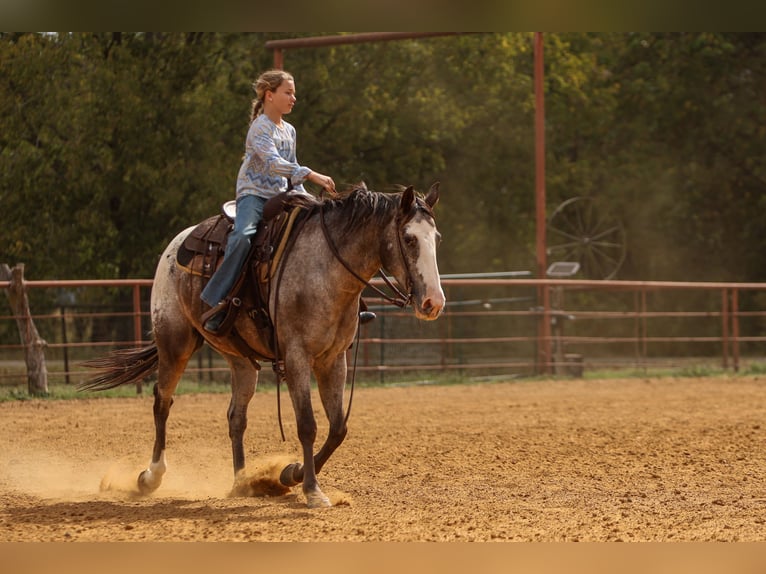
{"type": "Point", "coordinates": [269, 167]}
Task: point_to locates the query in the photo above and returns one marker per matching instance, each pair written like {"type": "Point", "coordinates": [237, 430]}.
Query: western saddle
{"type": "Point", "coordinates": [203, 250]}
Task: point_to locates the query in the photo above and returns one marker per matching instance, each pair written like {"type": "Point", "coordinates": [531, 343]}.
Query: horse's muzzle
{"type": "Point", "coordinates": [430, 308]}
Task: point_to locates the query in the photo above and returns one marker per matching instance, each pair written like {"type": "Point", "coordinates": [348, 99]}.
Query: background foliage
{"type": "Point", "coordinates": [111, 143]}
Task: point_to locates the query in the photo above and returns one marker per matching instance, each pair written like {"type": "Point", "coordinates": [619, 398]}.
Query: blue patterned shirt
{"type": "Point", "coordinates": [270, 158]}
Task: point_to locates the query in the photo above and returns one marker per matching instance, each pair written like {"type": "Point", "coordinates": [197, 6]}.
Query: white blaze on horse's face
{"type": "Point", "coordinates": [421, 236]}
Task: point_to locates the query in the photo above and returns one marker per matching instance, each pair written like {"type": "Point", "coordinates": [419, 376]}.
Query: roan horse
{"type": "Point", "coordinates": [344, 242]}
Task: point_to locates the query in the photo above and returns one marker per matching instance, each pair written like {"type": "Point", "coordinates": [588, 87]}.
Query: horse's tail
{"type": "Point", "coordinates": [121, 367]}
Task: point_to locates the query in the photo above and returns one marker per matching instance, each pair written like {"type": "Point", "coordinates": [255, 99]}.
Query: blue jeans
{"type": "Point", "coordinates": [249, 214]}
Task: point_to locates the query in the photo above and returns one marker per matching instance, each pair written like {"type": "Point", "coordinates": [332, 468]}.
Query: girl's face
{"type": "Point", "coordinates": [283, 99]}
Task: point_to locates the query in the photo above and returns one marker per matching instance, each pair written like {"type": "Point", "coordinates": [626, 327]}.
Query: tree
{"type": "Point", "coordinates": [111, 143]}
{"type": "Point", "coordinates": [112, 140]}
{"type": "Point", "coordinates": [34, 345]}
{"type": "Point", "coordinates": [690, 111]}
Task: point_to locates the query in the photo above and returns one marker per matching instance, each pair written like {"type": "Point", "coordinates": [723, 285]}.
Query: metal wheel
{"type": "Point", "coordinates": [580, 230]}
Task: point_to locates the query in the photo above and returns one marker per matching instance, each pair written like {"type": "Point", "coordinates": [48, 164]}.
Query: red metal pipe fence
{"type": "Point", "coordinates": [490, 328]}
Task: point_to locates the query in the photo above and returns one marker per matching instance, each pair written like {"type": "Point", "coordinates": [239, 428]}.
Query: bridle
{"type": "Point", "coordinates": [399, 299]}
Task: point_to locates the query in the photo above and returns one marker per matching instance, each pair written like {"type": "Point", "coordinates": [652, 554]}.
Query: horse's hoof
{"type": "Point", "coordinates": [287, 476]}
{"type": "Point", "coordinates": [317, 500]}
{"type": "Point", "coordinates": [145, 486]}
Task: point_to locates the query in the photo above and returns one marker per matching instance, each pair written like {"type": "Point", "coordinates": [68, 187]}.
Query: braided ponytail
{"type": "Point", "coordinates": [257, 108]}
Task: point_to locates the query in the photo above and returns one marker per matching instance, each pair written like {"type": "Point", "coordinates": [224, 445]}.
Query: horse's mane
{"type": "Point", "coordinates": [352, 209]}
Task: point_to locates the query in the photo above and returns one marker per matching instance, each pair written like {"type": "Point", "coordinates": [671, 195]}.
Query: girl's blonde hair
{"type": "Point", "coordinates": [267, 81]}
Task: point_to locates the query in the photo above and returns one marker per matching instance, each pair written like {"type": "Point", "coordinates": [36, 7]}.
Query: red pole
{"type": "Point", "coordinates": [343, 39]}
{"type": "Point", "coordinates": [544, 340]}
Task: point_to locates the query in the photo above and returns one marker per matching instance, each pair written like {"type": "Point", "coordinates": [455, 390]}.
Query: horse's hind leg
{"type": "Point", "coordinates": [244, 378]}
{"type": "Point", "coordinates": [174, 352]}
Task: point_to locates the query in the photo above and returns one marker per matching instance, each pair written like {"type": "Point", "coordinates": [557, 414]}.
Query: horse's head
{"type": "Point", "coordinates": [418, 239]}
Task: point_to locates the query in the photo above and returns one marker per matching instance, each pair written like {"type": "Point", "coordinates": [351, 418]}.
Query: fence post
{"type": "Point", "coordinates": [65, 344]}
{"type": "Point", "coordinates": [137, 326]}
{"type": "Point", "coordinates": [725, 326]}
{"type": "Point", "coordinates": [544, 332]}
{"type": "Point", "coordinates": [639, 302]}
{"type": "Point", "coordinates": [735, 329]}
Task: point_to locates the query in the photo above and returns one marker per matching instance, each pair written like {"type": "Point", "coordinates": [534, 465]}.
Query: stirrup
{"type": "Point", "coordinates": [213, 325]}
{"type": "Point", "coordinates": [214, 310]}
{"type": "Point", "coordinates": [213, 318]}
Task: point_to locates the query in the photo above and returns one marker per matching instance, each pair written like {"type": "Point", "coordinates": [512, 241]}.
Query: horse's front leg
{"type": "Point", "coordinates": [331, 380]}
{"type": "Point", "coordinates": [298, 382]}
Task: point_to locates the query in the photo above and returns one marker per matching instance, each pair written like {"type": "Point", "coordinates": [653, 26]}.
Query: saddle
{"type": "Point", "coordinates": [203, 249]}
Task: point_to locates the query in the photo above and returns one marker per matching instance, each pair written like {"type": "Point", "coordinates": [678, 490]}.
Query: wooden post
{"type": "Point", "coordinates": [34, 346]}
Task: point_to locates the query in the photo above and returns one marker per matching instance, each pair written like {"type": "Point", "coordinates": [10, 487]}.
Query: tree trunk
{"type": "Point", "coordinates": [34, 346]}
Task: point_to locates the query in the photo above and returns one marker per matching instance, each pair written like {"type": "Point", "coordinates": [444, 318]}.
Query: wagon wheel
{"type": "Point", "coordinates": [583, 231]}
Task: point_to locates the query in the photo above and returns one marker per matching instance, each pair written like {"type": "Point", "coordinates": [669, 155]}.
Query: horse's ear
{"type": "Point", "coordinates": [408, 198]}
{"type": "Point", "coordinates": [433, 195]}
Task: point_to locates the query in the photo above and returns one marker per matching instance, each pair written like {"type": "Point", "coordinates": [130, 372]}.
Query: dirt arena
{"type": "Point", "coordinates": [631, 460]}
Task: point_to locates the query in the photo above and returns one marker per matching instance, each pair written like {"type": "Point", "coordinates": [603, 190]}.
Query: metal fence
{"type": "Point", "coordinates": [491, 327]}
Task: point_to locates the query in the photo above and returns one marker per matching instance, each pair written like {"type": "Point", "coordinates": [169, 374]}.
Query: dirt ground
{"type": "Point", "coordinates": [568, 460]}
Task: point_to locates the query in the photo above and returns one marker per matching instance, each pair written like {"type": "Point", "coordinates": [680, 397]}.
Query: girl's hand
{"type": "Point", "coordinates": [325, 181]}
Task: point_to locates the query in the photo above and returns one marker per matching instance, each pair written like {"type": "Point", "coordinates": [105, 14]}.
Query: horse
{"type": "Point", "coordinates": [313, 304]}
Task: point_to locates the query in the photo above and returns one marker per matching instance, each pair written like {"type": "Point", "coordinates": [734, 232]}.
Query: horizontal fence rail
{"type": "Point", "coordinates": [492, 327]}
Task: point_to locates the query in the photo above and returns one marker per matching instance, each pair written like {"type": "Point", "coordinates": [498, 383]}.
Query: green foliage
{"type": "Point", "coordinates": [111, 143]}
{"type": "Point", "coordinates": [755, 369]}
{"type": "Point", "coordinates": [690, 111]}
